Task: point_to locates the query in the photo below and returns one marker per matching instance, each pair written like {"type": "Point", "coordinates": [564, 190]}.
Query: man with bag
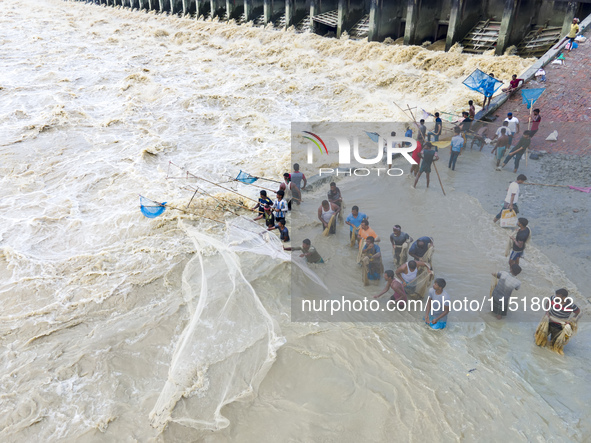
{"type": "Point", "coordinates": [512, 197]}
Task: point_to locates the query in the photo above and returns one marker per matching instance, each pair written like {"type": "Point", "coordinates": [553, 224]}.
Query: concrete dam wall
{"type": "Point", "coordinates": [533, 26]}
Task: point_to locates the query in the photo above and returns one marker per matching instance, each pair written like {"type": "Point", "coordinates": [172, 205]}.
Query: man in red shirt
{"type": "Point", "coordinates": [513, 84]}
{"type": "Point", "coordinates": [416, 156]}
{"type": "Point", "coordinates": [537, 118]}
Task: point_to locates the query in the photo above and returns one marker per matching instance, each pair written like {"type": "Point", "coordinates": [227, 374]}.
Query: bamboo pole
{"type": "Point", "coordinates": [418, 127]}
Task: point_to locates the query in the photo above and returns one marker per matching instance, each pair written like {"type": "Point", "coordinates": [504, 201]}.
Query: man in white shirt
{"type": "Point", "coordinates": [438, 305]}
{"type": "Point", "coordinates": [280, 207]}
{"type": "Point", "coordinates": [512, 196]}
{"type": "Point", "coordinates": [505, 127]}
{"type": "Point", "coordinates": [513, 124]}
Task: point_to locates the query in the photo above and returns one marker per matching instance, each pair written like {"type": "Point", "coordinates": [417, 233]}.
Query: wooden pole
{"type": "Point", "coordinates": [434, 165]}
{"type": "Point", "coordinates": [252, 184]}
{"type": "Point", "coordinates": [439, 178]}
{"type": "Point", "coordinates": [210, 182]}
{"type": "Point", "coordinates": [220, 186]}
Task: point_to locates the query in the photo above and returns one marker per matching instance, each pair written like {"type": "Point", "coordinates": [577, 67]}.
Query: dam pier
{"type": "Point", "coordinates": [533, 26]}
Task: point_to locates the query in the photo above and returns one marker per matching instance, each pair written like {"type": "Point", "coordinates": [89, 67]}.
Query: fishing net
{"type": "Point", "coordinates": [541, 334]}
{"type": "Point", "coordinates": [481, 82]}
{"type": "Point", "coordinates": [331, 228]}
{"type": "Point", "coordinates": [403, 254]}
{"type": "Point", "coordinates": [245, 177]}
{"type": "Point", "coordinates": [230, 340]}
{"type": "Point", "coordinates": [421, 283]}
{"type": "Point", "coordinates": [529, 96]}
{"type": "Point", "coordinates": [568, 330]}
{"type": "Point", "coordinates": [150, 208]}
{"type": "Point", "coordinates": [371, 270]}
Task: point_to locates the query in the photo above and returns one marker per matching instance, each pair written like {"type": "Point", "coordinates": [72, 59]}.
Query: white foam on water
{"type": "Point", "coordinates": [101, 306]}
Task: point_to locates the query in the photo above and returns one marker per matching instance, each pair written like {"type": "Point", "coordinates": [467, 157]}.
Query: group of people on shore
{"type": "Point", "coordinates": [464, 133]}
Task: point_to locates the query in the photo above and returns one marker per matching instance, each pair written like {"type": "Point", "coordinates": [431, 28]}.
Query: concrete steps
{"type": "Point", "coordinates": [304, 24]}
{"type": "Point", "coordinates": [280, 22]}
{"type": "Point", "coordinates": [259, 21]}
{"type": "Point", "coordinates": [538, 41]}
{"type": "Point", "coordinates": [361, 28]}
{"type": "Point", "coordinates": [483, 37]}
{"type": "Point", "coordinates": [329, 18]}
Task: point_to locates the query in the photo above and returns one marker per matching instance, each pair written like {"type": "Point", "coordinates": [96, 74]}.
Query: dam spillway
{"type": "Point", "coordinates": [533, 26]}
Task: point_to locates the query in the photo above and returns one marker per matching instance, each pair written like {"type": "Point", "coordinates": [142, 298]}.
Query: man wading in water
{"type": "Point", "coordinates": [429, 156]}
{"type": "Point", "coordinates": [399, 296]}
{"type": "Point", "coordinates": [519, 240]}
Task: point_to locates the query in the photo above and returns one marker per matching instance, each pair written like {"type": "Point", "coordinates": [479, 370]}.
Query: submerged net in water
{"type": "Point", "coordinates": [230, 341]}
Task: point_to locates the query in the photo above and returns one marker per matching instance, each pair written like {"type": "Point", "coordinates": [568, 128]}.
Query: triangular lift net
{"type": "Point", "coordinates": [245, 177]}
{"type": "Point", "coordinates": [150, 208]}
{"type": "Point", "coordinates": [529, 96]}
{"type": "Point", "coordinates": [480, 81]}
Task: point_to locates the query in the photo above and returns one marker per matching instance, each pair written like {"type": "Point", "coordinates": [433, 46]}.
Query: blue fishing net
{"type": "Point", "coordinates": [529, 96]}
{"type": "Point", "coordinates": [150, 208]}
{"type": "Point", "coordinates": [245, 177]}
{"type": "Point", "coordinates": [482, 82]}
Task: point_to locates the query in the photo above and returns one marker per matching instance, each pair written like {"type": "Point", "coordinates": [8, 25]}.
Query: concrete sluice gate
{"type": "Point", "coordinates": [532, 26]}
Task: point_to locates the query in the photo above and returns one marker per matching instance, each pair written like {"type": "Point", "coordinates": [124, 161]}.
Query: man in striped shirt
{"type": "Point", "coordinates": [561, 308]}
{"type": "Point", "coordinates": [501, 294]}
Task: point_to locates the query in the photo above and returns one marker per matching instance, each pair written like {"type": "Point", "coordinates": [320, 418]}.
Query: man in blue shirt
{"type": "Point", "coordinates": [420, 247]}
{"type": "Point", "coordinates": [457, 143]}
{"type": "Point", "coordinates": [408, 132]}
{"type": "Point", "coordinates": [354, 221]}
{"type": "Point", "coordinates": [371, 261]}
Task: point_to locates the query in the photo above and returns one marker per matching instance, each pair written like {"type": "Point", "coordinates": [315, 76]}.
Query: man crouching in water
{"type": "Point", "coordinates": [399, 296]}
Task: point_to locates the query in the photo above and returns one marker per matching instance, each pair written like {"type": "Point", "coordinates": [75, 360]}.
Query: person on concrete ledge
{"type": "Point", "coordinates": [513, 84]}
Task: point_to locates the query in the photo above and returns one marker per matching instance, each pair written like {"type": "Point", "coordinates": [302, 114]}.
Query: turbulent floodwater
{"type": "Point", "coordinates": [116, 327]}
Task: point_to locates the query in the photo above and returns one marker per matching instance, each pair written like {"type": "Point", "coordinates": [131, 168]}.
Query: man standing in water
{"type": "Point", "coordinates": [371, 260]}
{"type": "Point", "coordinates": [457, 143]}
{"type": "Point", "coordinates": [325, 212]}
{"type": "Point", "coordinates": [512, 197]}
{"type": "Point", "coordinates": [280, 207]}
{"type": "Point", "coordinates": [502, 291]}
{"type": "Point", "coordinates": [429, 155]}
{"type": "Point", "coordinates": [420, 247]}
{"type": "Point", "coordinates": [334, 195]}
{"type": "Point", "coordinates": [354, 221]}
{"type": "Point", "coordinates": [407, 274]}
{"type": "Point", "coordinates": [296, 178]}
{"type": "Point", "coordinates": [561, 308]}
{"type": "Point", "coordinates": [365, 231]}
{"type": "Point", "coordinates": [438, 303]}
{"type": "Point", "coordinates": [308, 251]}
{"type": "Point", "coordinates": [399, 296]}
{"type": "Point", "coordinates": [283, 231]}
{"type": "Point", "coordinates": [519, 240]}
{"type": "Point", "coordinates": [398, 239]}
